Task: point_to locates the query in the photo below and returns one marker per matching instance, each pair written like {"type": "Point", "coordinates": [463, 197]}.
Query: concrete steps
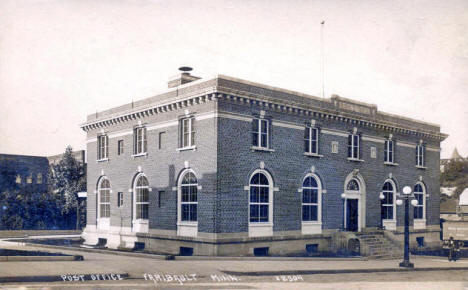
{"type": "Point", "coordinates": [377, 246]}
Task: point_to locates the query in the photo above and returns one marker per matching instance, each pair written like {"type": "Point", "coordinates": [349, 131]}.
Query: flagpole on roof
{"type": "Point", "coordinates": [322, 26]}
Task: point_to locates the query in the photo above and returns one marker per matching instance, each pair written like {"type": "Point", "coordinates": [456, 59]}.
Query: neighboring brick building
{"type": "Point", "coordinates": [229, 167]}
{"type": "Point", "coordinates": [28, 173]}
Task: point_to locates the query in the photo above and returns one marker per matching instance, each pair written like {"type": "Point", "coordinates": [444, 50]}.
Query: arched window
{"type": "Point", "coordinates": [104, 190]}
{"type": "Point", "coordinates": [387, 208]}
{"type": "Point", "coordinates": [419, 193]}
{"type": "Point", "coordinates": [188, 198]}
{"type": "Point", "coordinates": [353, 185]}
{"type": "Point", "coordinates": [141, 190]}
{"type": "Point", "coordinates": [310, 199]}
{"type": "Point", "coordinates": [259, 198]}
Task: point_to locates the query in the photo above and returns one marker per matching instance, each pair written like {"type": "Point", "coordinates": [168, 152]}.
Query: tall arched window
{"type": "Point", "coordinates": [104, 190]}
{"type": "Point", "coordinates": [259, 198]}
{"type": "Point", "coordinates": [387, 208]}
{"type": "Point", "coordinates": [188, 198]}
{"type": "Point", "coordinates": [310, 199]}
{"type": "Point", "coordinates": [141, 190]}
{"type": "Point", "coordinates": [419, 193]}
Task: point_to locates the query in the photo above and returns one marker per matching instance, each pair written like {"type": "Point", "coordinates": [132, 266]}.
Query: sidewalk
{"type": "Point", "coordinates": [136, 267]}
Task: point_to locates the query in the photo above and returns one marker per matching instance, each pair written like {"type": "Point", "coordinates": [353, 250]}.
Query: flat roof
{"type": "Point", "coordinates": [225, 84]}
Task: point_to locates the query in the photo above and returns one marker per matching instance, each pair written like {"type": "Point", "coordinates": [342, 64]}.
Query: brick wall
{"type": "Point", "coordinates": [161, 166]}
{"type": "Point", "coordinates": [288, 166]}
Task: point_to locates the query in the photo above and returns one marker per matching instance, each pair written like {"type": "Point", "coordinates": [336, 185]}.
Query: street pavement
{"type": "Point", "coordinates": [99, 271]}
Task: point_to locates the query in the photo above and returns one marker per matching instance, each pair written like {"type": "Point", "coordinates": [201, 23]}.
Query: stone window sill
{"type": "Point", "coordinates": [308, 154]}
{"type": "Point", "coordinates": [391, 163]}
{"type": "Point", "coordinates": [421, 167]}
{"type": "Point", "coordinates": [311, 222]}
{"type": "Point", "coordinates": [187, 223]}
{"type": "Point", "coordinates": [256, 148]}
{"type": "Point", "coordinates": [260, 224]}
{"type": "Point", "coordinates": [355, 159]}
{"type": "Point", "coordinates": [103, 160]}
{"type": "Point", "coordinates": [140, 154]}
{"type": "Point", "coordinates": [187, 148]}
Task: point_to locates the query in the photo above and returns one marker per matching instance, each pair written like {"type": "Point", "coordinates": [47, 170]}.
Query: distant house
{"type": "Point", "coordinates": [454, 208]}
{"type": "Point", "coordinates": [455, 157]}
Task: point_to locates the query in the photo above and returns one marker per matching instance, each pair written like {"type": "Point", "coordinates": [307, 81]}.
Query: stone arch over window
{"type": "Point", "coordinates": [388, 205]}
{"type": "Point", "coordinates": [103, 203]}
{"type": "Point", "coordinates": [311, 204]}
{"type": "Point", "coordinates": [187, 203]}
{"type": "Point", "coordinates": [260, 205]}
{"type": "Point", "coordinates": [140, 204]}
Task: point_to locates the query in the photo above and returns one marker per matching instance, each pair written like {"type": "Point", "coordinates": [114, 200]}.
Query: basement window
{"type": "Point", "coordinates": [261, 252]}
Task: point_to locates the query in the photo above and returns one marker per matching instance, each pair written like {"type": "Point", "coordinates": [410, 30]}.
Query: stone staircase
{"type": "Point", "coordinates": [375, 245]}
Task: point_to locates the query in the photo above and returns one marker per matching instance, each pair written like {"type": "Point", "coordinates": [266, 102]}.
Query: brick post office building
{"type": "Point", "coordinates": [225, 166]}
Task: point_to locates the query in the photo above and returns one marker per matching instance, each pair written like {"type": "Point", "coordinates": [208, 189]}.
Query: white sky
{"type": "Point", "coordinates": [61, 60]}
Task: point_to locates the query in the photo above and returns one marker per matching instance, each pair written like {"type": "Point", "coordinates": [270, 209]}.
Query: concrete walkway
{"type": "Point", "coordinates": [136, 267]}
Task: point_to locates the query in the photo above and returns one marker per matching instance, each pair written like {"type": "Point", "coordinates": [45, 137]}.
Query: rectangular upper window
{"type": "Point", "coordinates": [119, 199]}
{"type": "Point", "coordinates": [420, 155]}
{"type": "Point", "coordinates": [260, 133]}
{"type": "Point", "coordinates": [120, 147]}
{"type": "Point", "coordinates": [311, 140]}
{"type": "Point", "coordinates": [187, 132]}
{"type": "Point", "coordinates": [139, 140]}
{"type": "Point", "coordinates": [354, 141]}
{"type": "Point", "coordinates": [103, 147]}
{"type": "Point", "coordinates": [39, 178]}
{"type": "Point", "coordinates": [389, 151]}
{"type": "Point", "coordinates": [161, 139]}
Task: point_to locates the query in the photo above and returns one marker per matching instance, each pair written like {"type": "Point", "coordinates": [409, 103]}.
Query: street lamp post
{"type": "Point", "coordinates": [407, 196]}
{"type": "Point", "coordinates": [381, 197]}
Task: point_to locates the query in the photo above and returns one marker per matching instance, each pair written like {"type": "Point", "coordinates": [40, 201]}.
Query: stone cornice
{"type": "Point", "coordinates": [322, 113]}
{"type": "Point", "coordinates": [313, 107]}
{"type": "Point", "coordinates": [148, 111]}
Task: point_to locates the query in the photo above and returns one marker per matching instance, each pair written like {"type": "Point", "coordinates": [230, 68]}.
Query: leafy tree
{"type": "Point", "coordinates": [22, 209]}
{"type": "Point", "coordinates": [455, 175]}
{"type": "Point", "coordinates": [454, 171]}
{"type": "Point", "coordinates": [66, 179]}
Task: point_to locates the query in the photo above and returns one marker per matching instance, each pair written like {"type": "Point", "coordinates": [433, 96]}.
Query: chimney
{"type": "Point", "coordinates": [182, 78]}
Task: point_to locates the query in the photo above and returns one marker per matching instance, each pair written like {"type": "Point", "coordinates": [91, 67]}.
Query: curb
{"type": "Point", "coordinates": [343, 271]}
{"type": "Point", "coordinates": [249, 258]}
{"type": "Point", "coordinates": [68, 278]}
{"type": "Point", "coordinates": [40, 258]}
